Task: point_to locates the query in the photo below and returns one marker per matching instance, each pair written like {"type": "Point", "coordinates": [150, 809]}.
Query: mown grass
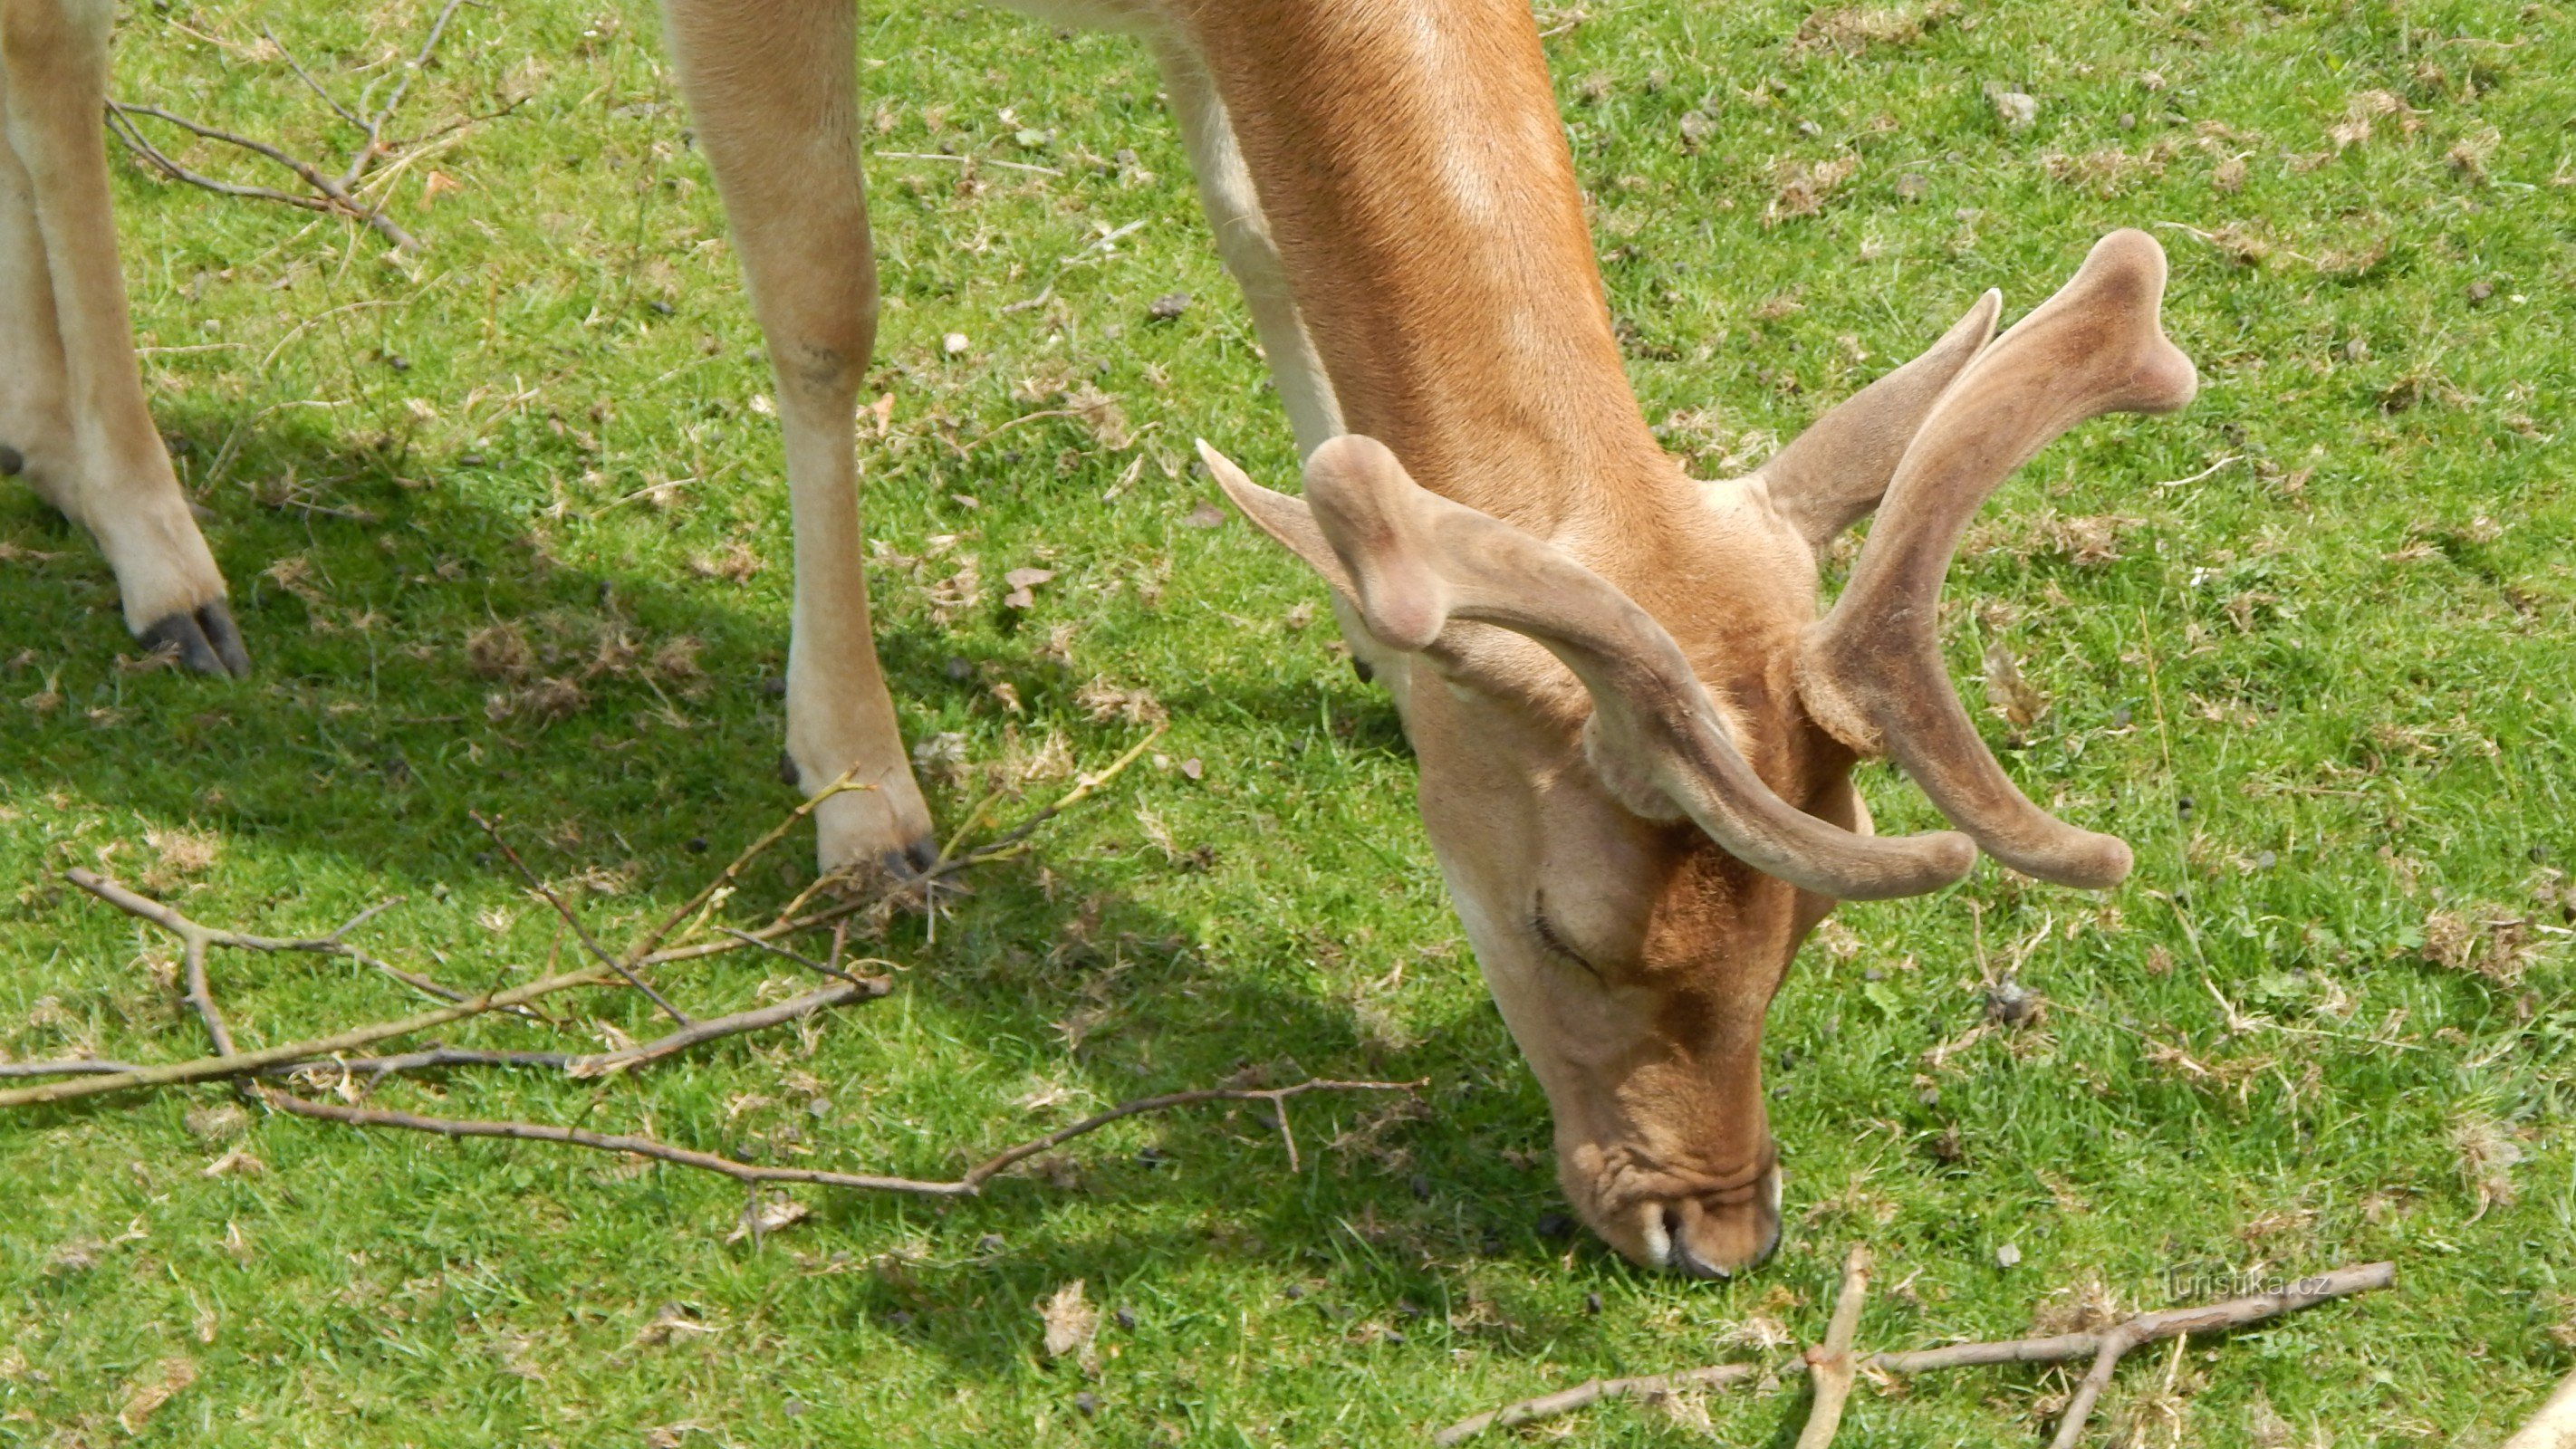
{"type": "Point", "coordinates": [2324, 687]}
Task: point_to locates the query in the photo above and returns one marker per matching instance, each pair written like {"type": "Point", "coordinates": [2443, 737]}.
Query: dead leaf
{"type": "Point", "coordinates": [767, 1216]}
{"type": "Point", "coordinates": [147, 1399]}
{"type": "Point", "coordinates": [674, 1320]}
{"type": "Point", "coordinates": [235, 1163]}
{"type": "Point", "coordinates": [1801, 188]}
{"type": "Point", "coordinates": [1021, 582]}
{"type": "Point", "coordinates": [1070, 1321]}
{"type": "Point", "coordinates": [2007, 692]}
{"type": "Point", "coordinates": [1206, 515]}
{"type": "Point", "coordinates": [2018, 110]}
{"type": "Point", "coordinates": [735, 562]}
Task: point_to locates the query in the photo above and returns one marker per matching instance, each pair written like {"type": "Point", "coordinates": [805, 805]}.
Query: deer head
{"type": "Point", "coordinates": [1635, 736]}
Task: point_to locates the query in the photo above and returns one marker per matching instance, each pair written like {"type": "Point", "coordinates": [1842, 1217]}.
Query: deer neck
{"type": "Point", "coordinates": [1415, 177]}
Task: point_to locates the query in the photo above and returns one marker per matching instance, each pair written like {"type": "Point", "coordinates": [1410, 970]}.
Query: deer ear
{"type": "Point", "coordinates": [1289, 520]}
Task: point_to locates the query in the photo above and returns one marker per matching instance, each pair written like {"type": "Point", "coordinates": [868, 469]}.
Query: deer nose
{"type": "Point", "coordinates": [1720, 1234]}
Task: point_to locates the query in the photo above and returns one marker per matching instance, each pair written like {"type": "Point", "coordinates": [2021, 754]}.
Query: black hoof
{"type": "Point", "coordinates": [206, 640]}
{"type": "Point", "coordinates": [913, 861]}
{"type": "Point", "coordinates": [12, 462]}
{"type": "Point", "coordinates": [1362, 668]}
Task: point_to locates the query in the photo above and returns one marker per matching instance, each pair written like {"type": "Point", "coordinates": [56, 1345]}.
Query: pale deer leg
{"type": "Point", "coordinates": [1243, 240]}
{"type": "Point", "coordinates": [78, 400]}
{"type": "Point", "coordinates": [772, 88]}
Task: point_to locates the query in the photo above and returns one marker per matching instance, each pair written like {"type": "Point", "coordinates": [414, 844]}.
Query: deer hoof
{"type": "Point", "coordinates": [205, 638]}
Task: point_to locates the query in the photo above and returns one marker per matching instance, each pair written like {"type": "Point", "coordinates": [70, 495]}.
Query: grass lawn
{"type": "Point", "coordinates": [506, 534]}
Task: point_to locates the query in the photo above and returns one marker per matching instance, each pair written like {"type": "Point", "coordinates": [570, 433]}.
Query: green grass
{"type": "Point", "coordinates": [2325, 689]}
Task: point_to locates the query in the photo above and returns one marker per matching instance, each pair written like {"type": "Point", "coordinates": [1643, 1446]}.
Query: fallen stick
{"type": "Point", "coordinates": [581, 932]}
{"type": "Point", "coordinates": [197, 933]}
{"type": "Point", "coordinates": [576, 1064]}
{"type": "Point", "coordinates": [969, 1184]}
{"type": "Point", "coordinates": [338, 195]}
{"type": "Point", "coordinates": [865, 988]}
{"type": "Point", "coordinates": [2058, 1348]}
{"type": "Point", "coordinates": [2176, 1322]}
{"type": "Point", "coordinates": [236, 1064]}
{"type": "Point", "coordinates": [1829, 1364]}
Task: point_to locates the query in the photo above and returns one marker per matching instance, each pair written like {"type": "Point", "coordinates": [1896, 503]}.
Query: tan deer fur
{"type": "Point", "coordinates": [1634, 732]}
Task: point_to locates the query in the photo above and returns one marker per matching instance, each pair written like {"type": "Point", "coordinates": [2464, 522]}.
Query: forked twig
{"type": "Point", "coordinates": [334, 196]}
{"type": "Point", "coordinates": [337, 195]}
{"type": "Point", "coordinates": [643, 947]}
{"type": "Point", "coordinates": [2104, 1348]}
{"type": "Point", "coordinates": [88, 1078]}
{"type": "Point", "coordinates": [334, 944]}
{"type": "Point", "coordinates": [2121, 1337]}
{"type": "Point", "coordinates": [581, 932]}
{"type": "Point", "coordinates": [577, 1064]}
{"type": "Point", "coordinates": [242, 1063]}
{"type": "Point", "coordinates": [1829, 1364]}
{"type": "Point", "coordinates": [968, 1184]}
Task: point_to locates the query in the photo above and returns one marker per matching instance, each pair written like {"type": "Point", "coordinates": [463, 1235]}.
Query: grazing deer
{"type": "Point", "coordinates": [1634, 733]}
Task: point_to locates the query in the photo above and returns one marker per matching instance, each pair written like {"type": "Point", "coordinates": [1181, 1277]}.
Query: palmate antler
{"type": "Point", "coordinates": [1413, 561]}
{"type": "Point", "coordinates": [1871, 672]}
{"type": "Point", "coordinates": [1924, 446]}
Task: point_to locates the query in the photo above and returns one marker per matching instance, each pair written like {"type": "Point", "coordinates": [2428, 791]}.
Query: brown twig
{"type": "Point", "coordinates": [334, 944]}
{"type": "Point", "coordinates": [2175, 1322]}
{"type": "Point", "coordinates": [867, 988]}
{"type": "Point", "coordinates": [599, 1064]}
{"type": "Point", "coordinates": [581, 932]}
{"type": "Point", "coordinates": [1829, 1364]}
{"type": "Point", "coordinates": [235, 1064]}
{"type": "Point", "coordinates": [968, 1184]}
{"type": "Point", "coordinates": [2104, 1348]}
{"type": "Point", "coordinates": [644, 947]}
{"type": "Point", "coordinates": [336, 195]}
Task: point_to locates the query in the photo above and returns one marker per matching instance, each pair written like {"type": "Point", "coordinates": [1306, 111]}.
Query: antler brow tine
{"type": "Point", "coordinates": [1871, 670]}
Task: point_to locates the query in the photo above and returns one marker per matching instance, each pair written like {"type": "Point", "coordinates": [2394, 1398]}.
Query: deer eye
{"type": "Point", "coordinates": [1545, 930]}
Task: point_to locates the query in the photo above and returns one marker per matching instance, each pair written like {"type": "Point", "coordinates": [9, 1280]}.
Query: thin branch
{"type": "Point", "coordinates": [334, 944]}
{"type": "Point", "coordinates": [2174, 1323]}
{"type": "Point", "coordinates": [1008, 842]}
{"type": "Point", "coordinates": [234, 1064]}
{"type": "Point", "coordinates": [335, 194]}
{"type": "Point", "coordinates": [1586, 1394]}
{"type": "Point", "coordinates": [328, 99]}
{"type": "Point", "coordinates": [969, 1184]}
{"type": "Point", "coordinates": [799, 957]}
{"type": "Point", "coordinates": [375, 125]}
{"type": "Point", "coordinates": [856, 989]}
{"type": "Point", "coordinates": [589, 942]}
{"type": "Point", "coordinates": [2060, 1348]}
{"type": "Point", "coordinates": [976, 1176]}
{"type": "Point", "coordinates": [75, 1067]}
{"type": "Point", "coordinates": [642, 949]}
{"type": "Point", "coordinates": [1829, 1364]}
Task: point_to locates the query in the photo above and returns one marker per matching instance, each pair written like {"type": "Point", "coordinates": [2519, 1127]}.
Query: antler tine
{"type": "Point", "coordinates": [1871, 671]}
{"type": "Point", "coordinates": [1413, 562]}
{"type": "Point", "coordinates": [1830, 476]}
